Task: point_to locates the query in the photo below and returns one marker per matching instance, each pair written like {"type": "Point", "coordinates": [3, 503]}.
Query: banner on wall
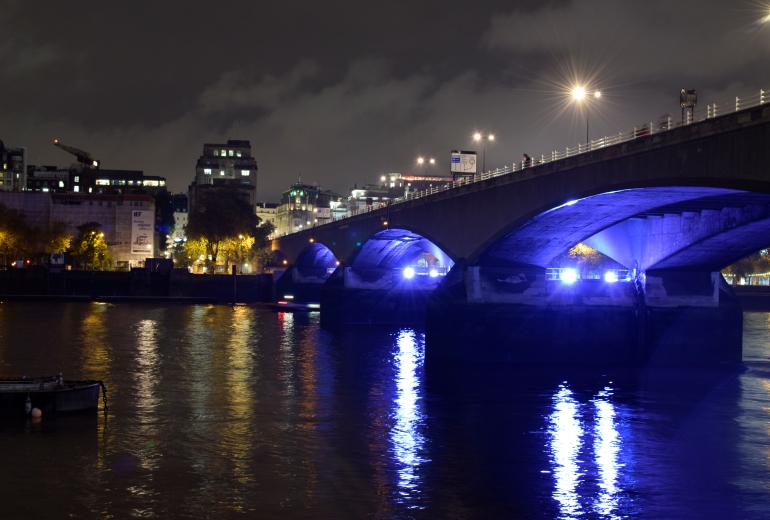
{"type": "Point", "coordinates": [141, 232]}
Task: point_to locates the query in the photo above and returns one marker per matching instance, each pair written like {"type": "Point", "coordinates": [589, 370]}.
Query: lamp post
{"type": "Point", "coordinates": [420, 160]}
{"type": "Point", "coordinates": [579, 94]}
{"type": "Point", "coordinates": [485, 138]}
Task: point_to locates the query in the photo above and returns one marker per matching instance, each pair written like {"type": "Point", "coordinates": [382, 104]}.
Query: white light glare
{"type": "Point", "coordinates": [433, 273]}
{"type": "Point", "coordinates": [409, 272]}
{"type": "Point", "coordinates": [610, 276]}
{"type": "Point", "coordinates": [568, 275]}
{"type": "Point", "coordinates": [578, 93]}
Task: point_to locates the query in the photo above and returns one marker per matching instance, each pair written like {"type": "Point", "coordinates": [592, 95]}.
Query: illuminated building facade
{"type": "Point", "coordinates": [304, 206]}
{"type": "Point", "coordinates": [116, 182]}
{"type": "Point", "coordinates": [49, 179]}
{"type": "Point", "coordinates": [13, 168]}
{"type": "Point", "coordinates": [392, 186]}
{"type": "Point", "coordinates": [268, 212]}
{"type": "Point", "coordinates": [179, 203]}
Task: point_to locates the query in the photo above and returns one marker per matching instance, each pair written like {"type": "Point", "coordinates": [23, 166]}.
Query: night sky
{"type": "Point", "coordinates": [342, 92]}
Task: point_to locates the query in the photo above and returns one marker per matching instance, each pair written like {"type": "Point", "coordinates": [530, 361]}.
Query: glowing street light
{"type": "Point", "coordinates": [579, 94]}
{"type": "Point", "coordinates": [425, 162]}
{"type": "Point", "coordinates": [485, 138]}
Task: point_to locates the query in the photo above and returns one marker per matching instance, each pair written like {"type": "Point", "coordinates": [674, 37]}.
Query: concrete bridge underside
{"type": "Point", "coordinates": [673, 209]}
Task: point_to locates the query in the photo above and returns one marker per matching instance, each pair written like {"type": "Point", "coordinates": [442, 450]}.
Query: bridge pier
{"type": "Point", "coordinates": [301, 284]}
{"type": "Point", "coordinates": [665, 319]}
{"type": "Point", "coordinates": [374, 296]}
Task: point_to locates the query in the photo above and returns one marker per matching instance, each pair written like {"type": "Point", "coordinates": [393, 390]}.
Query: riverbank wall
{"type": "Point", "coordinates": [136, 284]}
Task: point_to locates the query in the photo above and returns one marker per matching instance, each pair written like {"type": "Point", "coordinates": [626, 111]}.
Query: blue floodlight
{"type": "Point", "coordinates": [409, 272]}
{"type": "Point", "coordinates": [568, 275]}
{"type": "Point", "coordinates": [610, 276]}
{"type": "Point", "coordinates": [433, 273]}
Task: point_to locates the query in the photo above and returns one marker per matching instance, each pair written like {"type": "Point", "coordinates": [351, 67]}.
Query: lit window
{"type": "Point", "coordinates": [102, 182]}
{"type": "Point", "coordinates": [77, 178]}
{"type": "Point", "coordinates": [216, 153]}
{"type": "Point", "coordinates": [61, 184]}
{"type": "Point", "coordinates": [207, 171]}
{"type": "Point", "coordinates": [238, 153]}
{"type": "Point", "coordinates": [77, 188]}
{"type": "Point", "coordinates": [221, 172]}
{"type": "Point", "coordinates": [245, 173]}
{"type": "Point", "coordinates": [231, 153]}
{"type": "Point", "coordinates": [224, 153]}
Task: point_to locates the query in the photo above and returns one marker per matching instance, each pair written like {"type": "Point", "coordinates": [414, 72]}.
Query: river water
{"type": "Point", "coordinates": [223, 412]}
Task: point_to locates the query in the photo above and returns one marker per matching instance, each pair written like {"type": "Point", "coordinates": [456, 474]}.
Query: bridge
{"type": "Point", "coordinates": [481, 263]}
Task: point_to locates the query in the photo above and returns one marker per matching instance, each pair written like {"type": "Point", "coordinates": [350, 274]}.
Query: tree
{"type": "Point", "coordinates": [583, 257]}
{"type": "Point", "coordinates": [220, 217]}
{"type": "Point", "coordinates": [239, 251]}
{"type": "Point", "coordinates": [757, 263]}
{"type": "Point", "coordinates": [89, 247]}
{"type": "Point", "coordinates": [15, 235]}
{"type": "Point", "coordinates": [261, 247]}
{"type": "Point", "coordinates": [57, 238]}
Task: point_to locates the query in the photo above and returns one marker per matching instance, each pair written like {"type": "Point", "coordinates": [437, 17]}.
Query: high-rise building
{"type": "Point", "coordinates": [223, 165]}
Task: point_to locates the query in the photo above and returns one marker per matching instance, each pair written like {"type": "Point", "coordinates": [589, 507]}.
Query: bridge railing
{"type": "Point", "coordinates": [663, 124]}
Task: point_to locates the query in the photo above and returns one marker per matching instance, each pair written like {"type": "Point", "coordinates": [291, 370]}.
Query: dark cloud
{"type": "Point", "coordinates": [343, 92]}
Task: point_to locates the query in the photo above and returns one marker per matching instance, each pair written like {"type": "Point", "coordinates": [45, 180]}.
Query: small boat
{"type": "Point", "coordinates": [20, 395]}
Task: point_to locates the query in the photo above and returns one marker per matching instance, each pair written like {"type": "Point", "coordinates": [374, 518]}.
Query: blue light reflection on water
{"type": "Point", "coordinates": [607, 444]}
{"type": "Point", "coordinates": [405, 435]}
{"type": "Point", "coordinates": [585, 474]}
{"type": "Point", "coordinates": [565, 441]}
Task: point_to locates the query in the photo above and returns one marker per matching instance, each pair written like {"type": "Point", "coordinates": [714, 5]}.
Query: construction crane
{"type": "Point", "coordinates": [84, 158]}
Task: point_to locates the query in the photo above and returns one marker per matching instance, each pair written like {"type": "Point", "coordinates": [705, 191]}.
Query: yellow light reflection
{"type": "Point", "coordinates": [148, 398]}
{"type": "Point", "coordinates": [286, 327]}
{"type": "Point", "coordinates": [236, 438]}
{"type": "Point", "coordinates": [94, 334]}
{"type": "Point", "coordinates": [96, 362]}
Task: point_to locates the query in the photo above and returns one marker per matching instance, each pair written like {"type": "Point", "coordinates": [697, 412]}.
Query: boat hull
{"type": "Point", "coordinates": [71, 396]}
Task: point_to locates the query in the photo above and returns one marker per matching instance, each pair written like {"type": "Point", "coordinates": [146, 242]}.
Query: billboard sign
{"type": "Point", "coordinates": [141, 231]}
{"type": "Point", "coordinates": [463, 163]}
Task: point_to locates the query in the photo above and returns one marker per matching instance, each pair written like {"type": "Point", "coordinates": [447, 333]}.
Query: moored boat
{"type": "Point", "coordinates": [20, 395]}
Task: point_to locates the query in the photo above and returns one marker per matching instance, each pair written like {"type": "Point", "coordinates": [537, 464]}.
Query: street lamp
{"type": "Point", "coordinates": [579, 94]}
{"type": "Point", "coordinates": [420, 160]}
{"type": "Point", "coordinates": [485, 138]}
